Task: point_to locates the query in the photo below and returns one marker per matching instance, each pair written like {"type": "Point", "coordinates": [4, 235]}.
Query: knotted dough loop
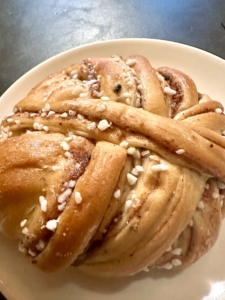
{"type": "Point", "coordinates": [113, 166]}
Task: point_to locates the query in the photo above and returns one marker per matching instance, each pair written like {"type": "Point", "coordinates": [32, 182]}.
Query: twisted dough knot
{"type": "Point", "coordinates": [113, 166]}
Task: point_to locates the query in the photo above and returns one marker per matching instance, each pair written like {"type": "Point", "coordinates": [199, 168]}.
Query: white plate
{"type": "Point", "coordinates": [21, 281]}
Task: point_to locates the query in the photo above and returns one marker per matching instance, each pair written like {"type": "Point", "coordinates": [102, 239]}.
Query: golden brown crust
{"type": "Point", "coordinates": [95, 186]}
{"type": "Point", "coordinates": [114, 166]}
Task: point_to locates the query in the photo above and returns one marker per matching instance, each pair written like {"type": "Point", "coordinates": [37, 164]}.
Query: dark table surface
{"type": "Point", "coordinates": [32, 31]}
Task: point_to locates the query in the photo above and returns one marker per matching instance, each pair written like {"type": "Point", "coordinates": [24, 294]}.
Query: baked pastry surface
{"type": "Point", "coordinates": [115, 167]}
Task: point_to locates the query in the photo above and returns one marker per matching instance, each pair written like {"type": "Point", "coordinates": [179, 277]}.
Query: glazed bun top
{"type": "Point", "coordinates": [113, 166]}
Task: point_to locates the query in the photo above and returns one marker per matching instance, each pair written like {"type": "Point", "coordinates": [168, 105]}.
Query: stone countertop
{"type": "Point", "coordinates": [33, 31]}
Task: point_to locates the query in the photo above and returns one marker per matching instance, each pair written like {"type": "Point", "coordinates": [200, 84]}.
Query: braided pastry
{"type": "Point", "coordinates": [114, 167]}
